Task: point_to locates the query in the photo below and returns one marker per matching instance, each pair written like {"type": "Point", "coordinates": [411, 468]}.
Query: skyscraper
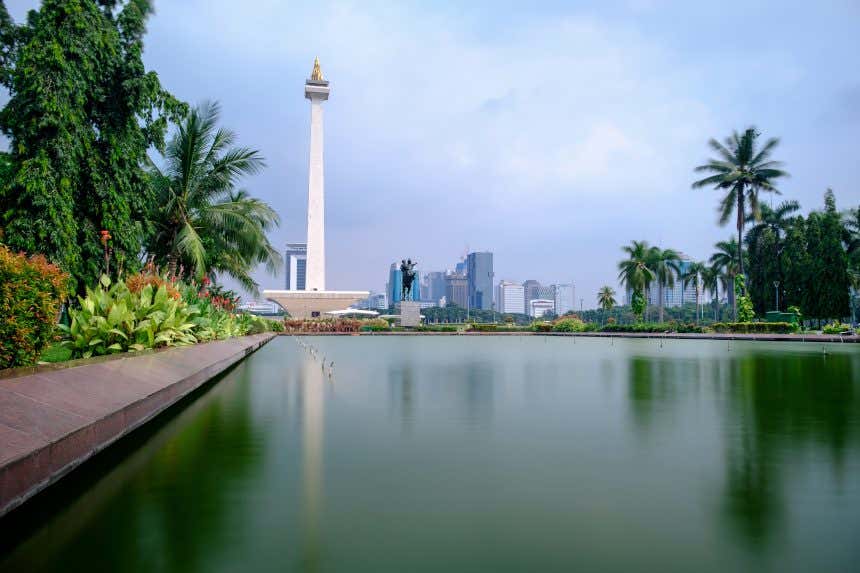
{"type": "Point", "coordinates": [435, 281]}
{"type": "Point", "coordinates": [296, 260]}
{"type": "Point", "coordinates": [457, 289]}
{"type": "Point", "coordinates": [479, 271]}
{"type": "Point", "coordinates": [564, 298]}
{"type": "Point", "coordinates": [511, 297]}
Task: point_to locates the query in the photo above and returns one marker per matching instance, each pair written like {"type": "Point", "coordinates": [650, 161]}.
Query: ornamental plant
{"type": "Point", "coordinates": [112, 318]}
{"type": "Point", "coordinates": [31, 294]}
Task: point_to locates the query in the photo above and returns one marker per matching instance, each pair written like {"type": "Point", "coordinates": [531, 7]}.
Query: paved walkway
{"type": "Point", "coordinates": [55, 419]}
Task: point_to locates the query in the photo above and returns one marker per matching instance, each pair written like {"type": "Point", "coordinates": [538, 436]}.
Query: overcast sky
{"type": "Point", "coordinates": [549, 135]}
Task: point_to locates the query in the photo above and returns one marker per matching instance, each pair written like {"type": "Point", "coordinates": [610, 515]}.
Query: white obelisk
{"type": "Point", "coordinates": [316, 90]}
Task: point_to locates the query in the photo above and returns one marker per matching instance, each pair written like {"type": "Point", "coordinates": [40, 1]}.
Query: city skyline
{"type": "Point", "coordinates": [560, 185]}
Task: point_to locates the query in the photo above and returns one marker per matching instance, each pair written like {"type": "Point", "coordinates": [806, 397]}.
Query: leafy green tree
{"type": "Point", "coordinates": [728, 261]}
{"type": "Point", "coordinates": [693, 274]}
{"type": "Point", "coordinates": [796, 266]}
{"type": "Point", "coordinates": [741, 172]}
{"type": "Point", "coordinates": [203, 222]}
{"type": "Point", "coordinates": [746, 313]}
{"type": "Point", "coordinates": [634, 273]}
{"type": "Point", "coordinates": [81, 114]}
{"type": "Point", "coordinates": [765, 242]}
{"type": "Point", "coordinates": [666, 266]}
{"type": "Point", "coordinates": [829, 259]}
{"type": "Point", "coordinates": [606, 298]}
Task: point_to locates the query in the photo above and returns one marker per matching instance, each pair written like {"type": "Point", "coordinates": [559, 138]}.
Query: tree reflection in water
{"type": "Point", "coordinates": [777, 409]}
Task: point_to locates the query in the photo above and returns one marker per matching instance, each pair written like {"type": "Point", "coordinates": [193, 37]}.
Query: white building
{"type": "Point", "coordinates": [564, 298]}
{"type": "Point", "coordinates": [511, 297]}
{"type": "Point", "coordinates": [540, 306]}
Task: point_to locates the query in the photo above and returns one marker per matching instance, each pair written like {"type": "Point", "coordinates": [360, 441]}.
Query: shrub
{"type": "Point", "coordinates": [437, 328]}
{"type": "Point", "coordinates": [375, 325]}
{"type": "Point", "coordinates": [136, 282]}
{"type": "Point", "coordinates": [569, 325]}
{"type": "Point", "coordinates": [837, 328]}
{"type": "Point", "coordinates": [541, 326]}
{"type": "Point", "coordinates": [755, 327]}
{"type": "Point", "coordinates": [655, 327]}
{"type": "Point", "coordinates": [113, 319]}
{"type": "Point", "coordinates": [31, 293]}
{"type": "Point", "coordinates": [483, 327]}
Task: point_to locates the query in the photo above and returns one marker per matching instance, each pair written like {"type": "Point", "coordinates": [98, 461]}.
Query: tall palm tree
{"type": "Point", "coordinates": [203, 221]}
{"type": "Point", "coordinates": [728, 260]}
{"type": "Point", "coordinates": [711, 283]}
{"type": "Point", "coordinates": [693, 274]}
{"type": "Point", "coordinates": [606, 298]}
{"type": "Point", "coordinates": [633, 272]}
{"type": "Point", "coordinates": [741, 171]}
{"type": "Point", "coordinates": [666, 266]}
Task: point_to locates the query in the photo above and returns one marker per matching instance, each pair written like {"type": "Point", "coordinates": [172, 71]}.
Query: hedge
{"type": "Point", "coordinates": [653, 327]}
{"type": "Point", "coordinates": [755, 327]}
{"type": "Point", "coordinates": [31, 294]}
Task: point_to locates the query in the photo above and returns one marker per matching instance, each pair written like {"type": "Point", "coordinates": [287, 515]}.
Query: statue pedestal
{"type": "Point", "coordinates": [410, 313]}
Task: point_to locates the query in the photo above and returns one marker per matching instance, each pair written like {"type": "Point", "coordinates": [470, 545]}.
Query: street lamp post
{"type": "Point", "coordinates": [776, 290]}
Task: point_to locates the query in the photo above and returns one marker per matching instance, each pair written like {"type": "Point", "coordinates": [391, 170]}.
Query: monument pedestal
{"type": "Point", "coordinates": [410, 313]}
{"type": "Point", "coordinates": [313, 303]}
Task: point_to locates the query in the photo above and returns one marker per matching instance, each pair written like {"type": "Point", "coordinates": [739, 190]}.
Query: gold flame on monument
{"type": "Point", "coordinates": [316, 74]}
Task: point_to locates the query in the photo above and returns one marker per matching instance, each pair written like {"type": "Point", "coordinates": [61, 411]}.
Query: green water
{"type": "Point", "coordinates": [480, 454]}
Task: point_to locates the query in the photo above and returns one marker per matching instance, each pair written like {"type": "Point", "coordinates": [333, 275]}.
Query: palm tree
{"type": "Point", "coordinates": [606, 298]}
{"type": "Point", "coordinates": [203, 222]}
{"type": "Point", "coordinates": [711, 283]}
{"type": "Point", "coordinates": [728, 262]}
{"type": "Point", "coordinates": [633, 272]}
{"type": "Point", "coordinates": [742, 170]}
{"type": "Point", "coordinates": [693, 274]}
{"type": "Point", "coordinates": [666, 265]}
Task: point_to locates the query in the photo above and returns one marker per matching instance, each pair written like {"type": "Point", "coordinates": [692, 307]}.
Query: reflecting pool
{"type": "Point", "coordinates": [448, 453]}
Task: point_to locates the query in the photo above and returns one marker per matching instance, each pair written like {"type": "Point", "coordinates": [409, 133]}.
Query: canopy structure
{"type": "Point", "coordinates": [352, 312]}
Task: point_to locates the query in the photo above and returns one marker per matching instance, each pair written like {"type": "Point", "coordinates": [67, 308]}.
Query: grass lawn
{"type": "Point", "coordinates": [56, 353]}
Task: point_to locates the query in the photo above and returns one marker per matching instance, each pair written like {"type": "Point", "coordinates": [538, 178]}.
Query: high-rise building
{"type": "Point", "coordinates": [676, 295]}
{"type": "Point", "coordinates": [564, 298]}
{"type": "Point", "coordinates": [296, 261]}
{"type": "Point", "coordinates": [435, 283]}
{"type": "Point", "coordinates": [530, 291]}
{"type": "Point", "coordinates": [457, 289]}
{"type": "Point", "coordinates": [511, 297]}
{"type": "Point", "coordinates": [479, 272]}
{"type": "Point", "coordinates": [394, 288]}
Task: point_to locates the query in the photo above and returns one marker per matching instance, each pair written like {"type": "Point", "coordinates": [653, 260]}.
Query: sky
{"type": "Point", "coordinates": [550, 133]}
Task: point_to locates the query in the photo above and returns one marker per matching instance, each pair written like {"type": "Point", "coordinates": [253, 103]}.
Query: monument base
{"type": "Point", "coordinates": [314, 303]}
{"type": "Point", "coordinates": [410, 313]}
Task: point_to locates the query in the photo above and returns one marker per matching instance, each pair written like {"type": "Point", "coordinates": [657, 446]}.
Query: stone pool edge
{"type": "Point", "coordinates": [53, 421]}
{"type": "Point", "coordinates": [854, 338]}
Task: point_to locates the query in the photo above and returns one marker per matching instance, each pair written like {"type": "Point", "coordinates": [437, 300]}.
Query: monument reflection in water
{"type": "Point", "coordinates": [481, 454]}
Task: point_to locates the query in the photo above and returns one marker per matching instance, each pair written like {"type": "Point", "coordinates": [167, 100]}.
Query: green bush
{"type": "Point", "coordinates": [483, 327]}
{"type": "Point", "coordinates": [437, 328]}
{"type": "Point", "coordinates": [837, 328]}
{"type": "Point", "coordinates": [112, 318]}
{"type": "Point", "coordinates": [655, 327]}
{"type": "Point", "coordinates": [569, 325]}
{"type": "Point", "coordinates": [375, 325]}
{"type": "Point", "coordinates": [755, 327]}
{"type": "Point", "coordinates": [541, 326]}
{"type": "Point", "coordinates": [31, 292]}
